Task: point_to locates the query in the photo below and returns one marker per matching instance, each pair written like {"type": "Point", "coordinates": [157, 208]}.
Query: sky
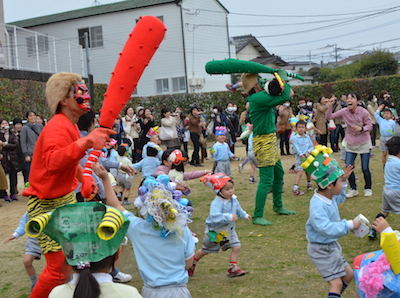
{"type": "Point", "coordinates": [295, 30]}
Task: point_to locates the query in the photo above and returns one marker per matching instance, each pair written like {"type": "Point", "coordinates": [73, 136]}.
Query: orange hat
{"type": "Point", "coordinates": [215, 181]}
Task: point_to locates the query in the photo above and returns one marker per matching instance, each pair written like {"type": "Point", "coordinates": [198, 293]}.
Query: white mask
{"type": "Point", "coordinates": [286, 104]}
{"type": "Point", "coordinates": [309, 104]}
{"type": "Point", "coordinates": [215, 111]}
{"type": "Point", "coordinates": [230, 109]}
{"type": "Point", "coordinates": [303, 105]}
{"type": "Point", "coordinates": [234, 109]}
{"type": "Point", "coordinates": [375, 100]}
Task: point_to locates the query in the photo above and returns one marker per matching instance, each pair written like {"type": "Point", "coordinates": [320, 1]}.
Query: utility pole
{"type": "Point", "coordinates": [90, 76]}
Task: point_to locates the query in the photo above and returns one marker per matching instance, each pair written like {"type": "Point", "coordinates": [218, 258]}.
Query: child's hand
{"type": "Point", "coordinates": [8, 239]}
{"type": "Point", "coordinates": [248, 217]}
{"type": "Point", "coordinates": [234, 217]}
{"type": "Point", "coordinates": [347, 172]}
{"type": "Point", "coordinates": [356, 224]}
{"type": "Point", "coordinates": [128, 169]}
{"type": "Point", "coordinates": [380, 224]}
{"type": "Point", "coordinates": [100, 171]}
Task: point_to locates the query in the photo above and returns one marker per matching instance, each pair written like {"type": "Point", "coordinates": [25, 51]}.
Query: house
{"type": "Point", "coordinates": [197, 33]}
{"type": "Point", "coordinates": [302, 66]}
{"type": "Point", "coordinates": [248, 48]}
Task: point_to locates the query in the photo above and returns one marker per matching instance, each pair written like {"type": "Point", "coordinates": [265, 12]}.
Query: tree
{"type": "Point", "coordinates": [380, 63]}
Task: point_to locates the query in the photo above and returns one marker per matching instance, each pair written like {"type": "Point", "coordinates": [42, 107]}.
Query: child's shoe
{"type": "Point", "coordinates": [7, 199]}
{"type": "Point", "coordinates": [126, 202]}
{"type": "Point", "coordinates": [252, 180]}
{"type": "Point", "coordinates": [372, 234]}
{"type": "Point", "coordinates": [191, 269]}
{"type": "Point", "coordinates": [14, 198]}
{"type": "Point", "coordinates": [121, 277]}
{"type": "Point", "coordinates": [309, 187]}
{"type": "Point", "coordinates": [235, 271]}
{"type": "Point", "coordinates": [293, 171]}
{"type": "Point", "coordinates": [297, 193]}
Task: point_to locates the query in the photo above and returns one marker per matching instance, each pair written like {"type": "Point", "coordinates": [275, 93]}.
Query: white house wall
{"type": "Point", "coordinates": [248, 53]}
{"type": "Point", "coordinates": [206, 39]}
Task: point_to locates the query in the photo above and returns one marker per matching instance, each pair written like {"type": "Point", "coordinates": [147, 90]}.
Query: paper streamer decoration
{"type": "Point", "coordinates": [110, 224]}
{"type": "Point", "coordinates": [35, 226]}
{"type": "Point", "coordinates": [140, 47]}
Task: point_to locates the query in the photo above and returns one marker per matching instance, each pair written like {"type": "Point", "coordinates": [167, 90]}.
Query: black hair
{"type": "Point", "coordinates": [393, 145]}
{"type": "Point", "coordinates": [387, 110]}
{"type": "Point", "coordinates": [152, 152]}
{"type": "Point", "coordinates": [274, 88]}
{"type": "Point", "coordinates": [218, 107]}
{"type": "Point", "coordinates": [28, 112]}
{"type": "Point", "coordinates": [127, 108]}
{"type": "Point", "coordinates": [301, 98]}
{"type": "Point", "coordinates": [163, 111]}
{"type": "Point", "coordinates": [181, 167]}
{"type": "Point", "coordinates": [300, 122]}
{"type": "Point", "coordinates": [87, 285]}
{"type": "Point", "coordinates": [121, 150]}
{"type": "Point", "coordinates": [356, 95]}
{"type": "Point", "coordinates": [17, 120]}
{"type": "Point", "coordinates": [166, 154]}
{"type": "Point", "coordinates": [192, 108]}
{"type": "Point", "coordinates": [86, 120]}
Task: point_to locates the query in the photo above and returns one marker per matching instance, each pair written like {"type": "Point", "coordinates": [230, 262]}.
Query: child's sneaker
{"type": "Point", "coordinates": [121, 277]}
{"type": "Point", "coordinates": [297, 193]}
{"type": "Point", "coordinates": [7, 199]}
{"type": "Point", "coordinates": [309, 187]}
{"type": "Point", "coordinates": [252, 180]}
{"type": "Point", "coordinates": [235, 271]}
{"type": "Point", "coordinates": [126, 202]}
{"type": "Point", "coordinates": [191, 269]}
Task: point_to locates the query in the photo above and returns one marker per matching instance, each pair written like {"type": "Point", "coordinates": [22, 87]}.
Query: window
{"type": "Point", "coordinates": [162, 86]}
{"type": "Point", "coordinates": [43, 45]}
{"type": "Point", "coordinates": [178, 84]}
{"type": "Point", "coordinates": [95, 36]}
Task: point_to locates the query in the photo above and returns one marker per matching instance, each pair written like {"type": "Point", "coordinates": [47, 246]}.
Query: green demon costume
{"type": "Point", "coordinates": [262, 116]}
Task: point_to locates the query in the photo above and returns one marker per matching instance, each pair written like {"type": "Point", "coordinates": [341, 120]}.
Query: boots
{"type": "Point", "coordinates": [203, 155]}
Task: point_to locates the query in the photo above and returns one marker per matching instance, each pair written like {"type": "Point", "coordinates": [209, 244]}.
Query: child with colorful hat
{"type": "Point", "coordinates": [220, 233]}
{"type": "Point", "coordinates": [154, 141]}
{"type": "Point", "coordinates": [221, 152]}
{"type": "Point", "coordinates": [90, 235]}
{"type": "Point", "coordinates": [324, 226]}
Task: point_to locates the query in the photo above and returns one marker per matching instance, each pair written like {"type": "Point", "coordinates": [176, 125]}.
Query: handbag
{"type": "Point", "coordinates": [280, 128]}
{"type": "Point", "coordinates": [166, 134]}
{"type": "Point", "coordinates": [331, 125]}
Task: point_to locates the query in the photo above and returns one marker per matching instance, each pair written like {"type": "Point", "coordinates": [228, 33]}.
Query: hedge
{"type": "Point", "coordinates": [19, 96]}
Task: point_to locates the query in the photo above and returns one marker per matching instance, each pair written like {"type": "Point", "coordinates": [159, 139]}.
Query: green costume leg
{"type": "Point", "coordinates": [277, 190]}
{"type": "Point", "coordinates": [264, 185]}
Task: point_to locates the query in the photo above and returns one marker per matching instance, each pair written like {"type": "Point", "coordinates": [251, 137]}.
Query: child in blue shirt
{"type": "Point", "coordinates": [148, 164]}
{"type": "Point", "coordinates": [386, 129]}
{"type": "Point", "coordinates": [324, 226]}
{"type": "Point", "coordinates": [302, 147]}
{"type": "Point", "coordinates": [225, 210]}
{"type": "Point", "coordinates": [391, 190]}
{"type": "Point", "coordinates": [221, 152]}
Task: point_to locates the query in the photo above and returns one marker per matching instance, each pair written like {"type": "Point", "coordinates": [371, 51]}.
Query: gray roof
{"type": "Point", "coordinates": [92, 11]}
{"type": "Point", "coordinates": [243, 40]}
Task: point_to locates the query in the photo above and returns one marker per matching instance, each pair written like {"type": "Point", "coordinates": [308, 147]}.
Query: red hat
{"type": "Point", "coordinates": [215, 181]}
{"type": "Point", "coordinates": [176, 157]}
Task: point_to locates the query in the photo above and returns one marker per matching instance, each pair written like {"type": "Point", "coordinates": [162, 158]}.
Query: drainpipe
{"type": "Point", "coordinates": [179, 3]}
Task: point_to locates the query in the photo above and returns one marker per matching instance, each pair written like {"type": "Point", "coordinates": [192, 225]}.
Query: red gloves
{"type": "Point", "coordinates": [96, 139]}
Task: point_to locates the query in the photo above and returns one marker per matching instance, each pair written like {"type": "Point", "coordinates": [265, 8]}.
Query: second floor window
{"type": "Point", "coordinates": [95, 36]}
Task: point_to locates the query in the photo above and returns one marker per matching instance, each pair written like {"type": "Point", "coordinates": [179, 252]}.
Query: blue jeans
{"type": "Point", "coordinates": [334, 138]}
{"type": "Point", "coordinates": [350, 158]}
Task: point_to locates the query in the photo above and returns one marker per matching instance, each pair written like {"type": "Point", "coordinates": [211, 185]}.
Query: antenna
{"type": "Point", "coordinates": [95, 3]}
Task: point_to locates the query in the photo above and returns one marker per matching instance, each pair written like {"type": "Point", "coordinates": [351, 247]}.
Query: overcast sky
{"type": "Point", "coordinates": [291, 29]}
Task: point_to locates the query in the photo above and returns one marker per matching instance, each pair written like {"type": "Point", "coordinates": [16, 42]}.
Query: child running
{"type": "Point", "coordinates": [386, 129]}
{"type": "Point", "coordinates": [302, 147]}
{"type": "Point", "coordinates": [220, 233]}
{"type": "Point", "coordinates": [324, 226]}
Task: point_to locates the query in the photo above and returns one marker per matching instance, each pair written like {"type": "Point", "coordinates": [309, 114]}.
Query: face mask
{"type": "Point", "coordinates": [215, 111]}
{"type": "Point", "coordinates": [309, 104]}
{"type": "Point", "coordinates": [81, 96]}
{"type": "Point", "coordinates": [230, 109]}
{"type": "Point", "coordinates": [375, 100]}
{"type": "Point", "coordinates": [303, 105]}
{"type": "Point", "coordinates": [234, 109]}
{"type": "Point", "coordinates": [286, 104]}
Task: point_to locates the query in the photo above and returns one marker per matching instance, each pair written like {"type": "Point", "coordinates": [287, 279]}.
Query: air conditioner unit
{"type": "Point", "coordinates": [197, 82]}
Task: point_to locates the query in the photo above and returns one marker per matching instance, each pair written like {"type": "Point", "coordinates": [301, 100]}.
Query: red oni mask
{"type": "Point", "coordinates": [81, 96]}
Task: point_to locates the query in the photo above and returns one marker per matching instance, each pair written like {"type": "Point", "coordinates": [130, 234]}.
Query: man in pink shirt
{"type": "Point", "coordinates": [358, 139]}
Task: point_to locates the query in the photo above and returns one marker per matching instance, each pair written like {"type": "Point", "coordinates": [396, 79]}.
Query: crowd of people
{"type": "Point", "coordinates": [57, 151]}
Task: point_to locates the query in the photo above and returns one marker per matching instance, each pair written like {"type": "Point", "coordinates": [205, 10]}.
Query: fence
{"type": "Point", "coordinates": [24, 49]}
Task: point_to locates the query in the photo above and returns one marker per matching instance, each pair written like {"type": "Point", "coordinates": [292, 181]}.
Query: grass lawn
{"type": "Point", "coordinates": [274, 257]}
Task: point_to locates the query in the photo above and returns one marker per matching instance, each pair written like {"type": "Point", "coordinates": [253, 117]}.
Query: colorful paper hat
{"type": "Point", "coordinates": [113, 142]}
{"type": "Point", "coordinates": [87, 232]}
{"type": "Point", "coordinates": [322, 166]}
{"type": "Point", "coordinates": [153, 132]}
{"type": "Point", "coordinates": [220, 131]}
{"type": "Point", "coordinates": [215, 181]}
{"type": "Point", "coordinates": [176, 157]}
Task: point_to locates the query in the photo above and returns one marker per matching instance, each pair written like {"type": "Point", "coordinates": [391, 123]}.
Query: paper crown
{"type": "Point", "coordinates": [220, 131]}
{"type": "Point", "coordinates": [153, 132]}
{"type": "Point", "coordinates": [113, 142]}
{"type": "Point", "coordinates": [87, 232]}
{"type": "Point", "coordinates": [215, 181]}
{"type": "Point", "coordinates": [176, 157]}
{"type": "Point", "coordinates": [322, 166]}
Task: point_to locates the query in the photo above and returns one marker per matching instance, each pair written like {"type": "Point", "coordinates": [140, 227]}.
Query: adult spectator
{"type": "Point", "coordinates": [334, 134]}
{"type": "Point", "coordinates": [320, 122]}
{"type": "Point", "coordinates": [145, 122]}
{"type": "Point", "coordinates": [282, 121]}
{"type": "Point", "coordinates": [233, 126]}
{"type": "Point", "coordinates": [195, 130]}
{"type": "Point", "coordinates": [131, 128]}
{"type": "Point", "coordinates": [180, 127]}
{"type": "Point", "coordinates": [168, 134]}
{"type": "Point", "coordinates": [9, 142]}
{"type": "Point", "coordinates": [358, 139]}
{"type": "Point", "coordinates": [386, 99]}
{"type": "Point", "coordinates": [17, 127]}
{"type": "Point", "coordinates": [372, 106]}
{"type": "Point", "coordinates": [29, 135]}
